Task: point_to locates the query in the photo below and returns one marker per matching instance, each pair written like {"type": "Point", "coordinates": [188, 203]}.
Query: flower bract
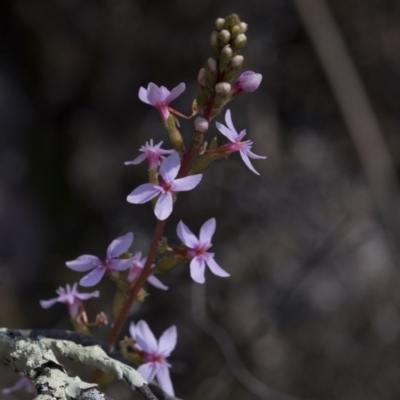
{"type": "Point", "coordinates": [243, 147]}
{"type": "Point", "coordinates": [71, 297]}
{"type": "Point", "coordinates": [98, 267]}
{"type": "Point", "coordinates": [155, 353]}
{"type": "Point", "coordinates": [169, 184]}
{"type": "Point", "coordinates": [197, 250]}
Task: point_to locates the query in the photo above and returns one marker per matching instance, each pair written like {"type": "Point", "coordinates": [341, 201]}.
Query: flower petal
{"type": "Point", "coordinates": [245, 158]}
{"type": "Point", "coordinates": [143, 193]}
{"type": "Point", "coordinates": [156, 283]}
{"type": "Point", "coordinates": [148, 371]}
{"type": "Point", "coordinates": [143, 95]}
{"type": "Point", "coordinates": [154, 94]}
{"type": "Point", "coordinates": [186, 235]}
{"type": "Point", "coordinates": [170, 167]}
{"type": "Point", "coordinates": [132, 330]}
{"type": "Point", "coordinates": [255, 156]}
{"type": "Point", "coordinates": [228, 120]}
{"type": "Point", "coordinates": [215, 268]}
{"type": "Point", "coordinates": [120, 265]}
{"type": "Point", "coordinates": [140, 158]}
{"type": "Point", "coordinates": [85, 296]}
{"type": "Point", "coordinates": [167, 341]}
{"type": "Point", "coordinates": [207, 231]}
{"type": "Point", "coordinates": [232, 136]}
{"type": "Point", "coordinates": [48, 303]}
{"type": "Point", "coordinates": [165, 92]}
{"type": "Point", "coordinates": [164, 380]}
{"type": "Point", "coordinates": [197, 268]}
{"type": "Point", "coordinates": [163, 208]}
{"type": "Point", "coordinates": [187, 183]}
{"type": "Point", "coordinates": [176, 91]}
{"type": "Point", "coordinates": [145, 337]}
{"type": "Point", "coordinates": [93, 277]}
{"type": "Point", "coordinates": [83, 263]}
{"type": "Point", "coordinates": [120, 245]}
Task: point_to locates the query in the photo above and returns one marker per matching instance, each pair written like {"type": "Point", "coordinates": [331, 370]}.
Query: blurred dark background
{"type": "Point", "coordinates": [312, 305]}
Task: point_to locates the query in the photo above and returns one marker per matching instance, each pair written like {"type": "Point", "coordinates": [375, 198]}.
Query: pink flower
{"type": "Point", "coordinates": [248, 81]}
{"type": "Point", "coordinates": [23, 383]}
{"type": "Point", "coordinates": [160, 97]}
{"type": "Point", "coordinates": [197, 249]}
{"type": "Point", "coordinates": [71, 297]}
{"type": "Point", "coordinates": [237, 145]}
{"type": "Point", "coordinates": [155, 353]}
{"type": "Point", "coordinates": [136, 270]}
{"type": "Point", "coordinates": [99, 268]}
{"type": "Point", "coordinates": [168, 170]}
{"type": "Point", "coordinates": [153, 153]}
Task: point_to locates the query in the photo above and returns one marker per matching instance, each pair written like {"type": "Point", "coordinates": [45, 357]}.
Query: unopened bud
{"type": "Point", "coordinates": [244, 27]}
{"type": "Point", "coordinates": [236, 62]}
{"type": "Point", "coordinates": [225, 57]}
{"type": "Point", "coordinates": [223, 88]}
{"type": "Point", "coordinates": [201, 77]}
{"type": "Point", "coordinates": [236, 31]}
{"type": "Point", "coordinates": [200, 124]}
{"type": "Point", "coordinates": [224, 36]}
{"type": "Point", "coordinates": [212, 64]}
{"type": "Point", "coordinates": [219, 23]}
{"type": "Point", "coordinates": [248, 81]}
{"type": "Point", "coordinates": [214, 39]}
{"type": "Point", "coordinates": [240, 41]}
{"type": "Point", "coordinates": [232, 20]}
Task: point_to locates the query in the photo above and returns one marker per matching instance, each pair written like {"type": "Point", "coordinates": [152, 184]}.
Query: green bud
{"type": "Point", "coordinates": [205, 161]}
{"type": "Point", "coordinates": [244, 27]}
{"type": "Point", "coordinates": [224, 37]}
{"type": "Point", "coordinates": [174, 135]}
{"type": "Point", "coordinates": [232, 20]}
{"type": "Point", "coordinates": [219, 23]}
{"type": "Point", "coordinates": [239, 42]}
{"type": "Point", "coordinates": [236, 31]}
{"type": "Point", "coordinates": [167, 263]}
{"type": "Point", "coordinates": [225, 58]}
{"type": "Point", "coordinates": [236, 62]}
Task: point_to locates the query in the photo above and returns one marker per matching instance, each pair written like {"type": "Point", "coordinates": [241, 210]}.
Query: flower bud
{"type": "Point", "coordinates": [248, 81]}
{"type": "Point", "coordinates": [214, 39]}
{"type": "Point", "coordinates": [222, 88]}
{"type": "Point", "coordinates": [232, 20]}
{"type": "Point", "coordinates": [244, 27]}
{"type": "Point", "coordinates": [201, 77]}
{"type": "Point", "coordinates": [212, 64]}
{"type": "Point", "coordinates": [240, 41]}
{"type": "Point", "coordinates": [236, 31]}
{"type": "Point", "coordinates": [219, 23]}
{"type": "Point", "coordinates": [236, 62]}
{"type": "Point", "coordinates": [224, 37]}
{"type": "Point", "coordinates": [200, 124]}
{"type": "Point", "coordinates": [225, 57]}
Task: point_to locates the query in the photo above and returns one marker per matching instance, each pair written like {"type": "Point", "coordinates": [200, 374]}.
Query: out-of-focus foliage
{"type": "Point", "coordinates": [313, 299]}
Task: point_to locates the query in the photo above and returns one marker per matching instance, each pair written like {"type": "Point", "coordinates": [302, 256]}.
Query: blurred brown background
{"type": "Point", "coordinates": [312, 305]}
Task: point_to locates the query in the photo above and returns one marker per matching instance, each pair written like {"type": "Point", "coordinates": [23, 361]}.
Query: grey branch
{"type": "Point", "coordinates": [36, 358]}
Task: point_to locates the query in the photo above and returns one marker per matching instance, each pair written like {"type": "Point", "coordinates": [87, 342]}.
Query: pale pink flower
{"type": "Point", "coordinates": [155, 353]}
{"type": "Point", "coordinates": [169, 184]}
{"type": "Point", "coordinates": [197, 249]}
{"type": "Point", "coordinates": [243, 147]}
{"type": "Point", "coordinates": [248, 81]}
{"type": "Point", "coordinates": [153, 153]}
{"type": "Point", "coordinates": [111, 264]}
{"type": "Point", "coordinates": [23, 383]}
{"type": "Point", "coordinates": [71, 297]}
{"type": "Point", "coordinates": [160, 97]}
{"type": "Point", "coordinates": [136, 270]}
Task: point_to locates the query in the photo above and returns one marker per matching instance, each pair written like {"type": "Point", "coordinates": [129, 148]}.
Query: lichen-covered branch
{"type": "Point", "coordinates": [37, 359]}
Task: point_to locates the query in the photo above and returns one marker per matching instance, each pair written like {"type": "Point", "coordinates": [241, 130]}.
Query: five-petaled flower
{"type": "Point", "coordinates": [197, 250]}
{"type": "Point", "coordinates": [169, 184]}
{"type": "Point", "coordinates": [243, 147]}
{"type": "Point", "coordinates": [160, 97]}
{"type": "Point", "coordinates": [154, 353]}
{"type": "Point", "coordinates": [136, 269]}
{"type": "Point", "coordinates": [111, 264]}
{"type": "Point", "coordinates": [71, 297]}
{"type": "Point", "coordinates": [154, 154]}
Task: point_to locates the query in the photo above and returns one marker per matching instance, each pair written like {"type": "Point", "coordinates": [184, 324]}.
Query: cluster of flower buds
{"type": "Point", "coordinates": [215, 80]}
